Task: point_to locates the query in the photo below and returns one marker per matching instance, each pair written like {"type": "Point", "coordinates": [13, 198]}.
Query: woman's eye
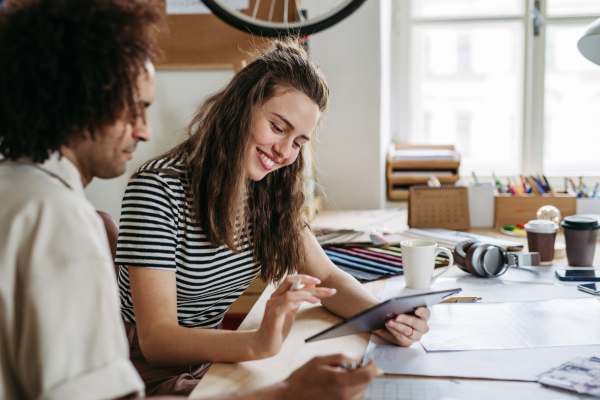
{"type": "Point", "coordinates": [276, 128]}
{"type": "Point", "coordinates": [297, 145]}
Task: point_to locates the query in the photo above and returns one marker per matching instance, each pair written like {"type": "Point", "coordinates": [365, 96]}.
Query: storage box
{"type": "Point", "coordinates": [515, 209]}
{"type": "Point", "coordinates": [402, 174]}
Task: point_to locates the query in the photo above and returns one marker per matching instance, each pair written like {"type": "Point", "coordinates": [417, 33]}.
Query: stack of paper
{"type": "Point", "coordinates": [513, 325]}
{"type": "Point", "coordinates": [498, 338]}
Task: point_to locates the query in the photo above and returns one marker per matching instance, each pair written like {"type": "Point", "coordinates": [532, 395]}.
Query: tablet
{"type": "Point", "coordinates": [374, 318]}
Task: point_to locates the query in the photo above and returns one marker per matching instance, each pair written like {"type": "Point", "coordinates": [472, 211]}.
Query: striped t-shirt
{"type": "Point", "coordinates": [156, 231]}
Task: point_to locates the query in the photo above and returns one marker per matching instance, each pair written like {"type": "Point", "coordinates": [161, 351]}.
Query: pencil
{"type": "Point", "coordinates": [533, 185]}
{"type": "Point", "coordinates": [472, 299]}
{"type": "Point", "coordinates": [517, 187]}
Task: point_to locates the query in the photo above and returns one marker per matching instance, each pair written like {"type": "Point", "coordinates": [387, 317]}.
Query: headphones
{"type": "Point", "coordinates": [486, 260]}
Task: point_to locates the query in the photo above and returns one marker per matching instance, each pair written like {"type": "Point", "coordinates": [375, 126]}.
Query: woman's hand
{"type": "Point", "coordinates": [404, 330]}
{"type": "Point", "coordinates": [280, 313]}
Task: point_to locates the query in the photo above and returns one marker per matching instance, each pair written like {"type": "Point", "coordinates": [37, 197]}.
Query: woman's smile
{"type": "Point", "coordinates": [266, 161]}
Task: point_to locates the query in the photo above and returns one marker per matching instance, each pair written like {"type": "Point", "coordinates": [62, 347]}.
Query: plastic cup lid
{"type": "Point", "coordinates": [580, 223]}
{"type": "Point", "coordinates": [541, 226]}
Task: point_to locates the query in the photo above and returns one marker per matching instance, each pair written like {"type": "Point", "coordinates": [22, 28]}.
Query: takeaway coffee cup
{"type": "Point", "coordinates": [581, 234]}
{"type": "Point", "coordinates": [540, 238]}
{"type": "Point", "coordinates": [418, 262]}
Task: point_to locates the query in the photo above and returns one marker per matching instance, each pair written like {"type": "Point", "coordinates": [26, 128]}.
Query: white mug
{"type": "Point", "coordinates": [418, 262]}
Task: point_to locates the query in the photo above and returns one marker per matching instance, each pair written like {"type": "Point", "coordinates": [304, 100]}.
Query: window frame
{"type": "Point", "coordinates": [533, 75]}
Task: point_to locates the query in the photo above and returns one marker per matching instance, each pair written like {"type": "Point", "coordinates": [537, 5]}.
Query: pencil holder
{"type": "Point", "coordinates": [516, 209]}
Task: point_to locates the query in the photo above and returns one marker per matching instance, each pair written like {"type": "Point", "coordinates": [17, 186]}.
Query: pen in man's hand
{"type": "Point", "coordinates": [349, 366]}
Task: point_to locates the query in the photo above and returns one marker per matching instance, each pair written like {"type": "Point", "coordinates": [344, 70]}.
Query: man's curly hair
{"type": "Point", "coordinates": [68, 67]}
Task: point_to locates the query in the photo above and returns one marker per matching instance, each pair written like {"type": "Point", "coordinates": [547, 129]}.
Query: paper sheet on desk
{"type": "Point", "coordinates": [439, 389]}
{"type": "Point", "coordinates": [491, 290]}
{"type": "Point", "coordinates": [513, 325]}
{"type": "Point", "coordinates": [519, 365]}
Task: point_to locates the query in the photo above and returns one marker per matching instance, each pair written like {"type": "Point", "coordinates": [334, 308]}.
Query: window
{"type": "Point", "coordinates": [571, 104]}
{"type": "Point", "coordinates": [473, 74]}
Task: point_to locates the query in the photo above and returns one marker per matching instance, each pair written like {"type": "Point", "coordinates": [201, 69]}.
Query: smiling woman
{"type": "Point", "coordinates": [284, 124]}
{"type": "Point", "coordinates": [203, 220]}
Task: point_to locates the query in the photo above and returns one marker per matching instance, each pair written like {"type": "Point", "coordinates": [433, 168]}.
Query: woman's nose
{"type": "Point", "coordinates": [283, 149]}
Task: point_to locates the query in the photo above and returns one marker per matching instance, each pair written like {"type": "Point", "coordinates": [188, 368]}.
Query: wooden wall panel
{"type": "Point", "coordinates": [203, 41]}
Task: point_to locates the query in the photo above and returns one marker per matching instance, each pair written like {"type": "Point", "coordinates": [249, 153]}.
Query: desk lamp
{"type": "Point", "coordinates": [589, 44]}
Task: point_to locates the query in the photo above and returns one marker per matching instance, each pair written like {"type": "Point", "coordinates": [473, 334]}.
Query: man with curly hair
{"type": "Point", "coordinates": [75, 82]}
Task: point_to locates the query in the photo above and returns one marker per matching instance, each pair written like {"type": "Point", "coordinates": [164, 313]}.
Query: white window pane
{"type": "Point", "coordinates": [572, 7]}
{"type": "Point", "coordinates": [465, 8]}
{"type": "Point", "coordinates": [572, 105]}
{"type": "Point", "coordinates": [466, 90]}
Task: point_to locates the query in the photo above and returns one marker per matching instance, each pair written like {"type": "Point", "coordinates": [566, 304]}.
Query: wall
{"type": "Point", "coordinates": [350, 148]}
{"type": "Point", "coordinates": [349, 158]}
{"type": "Point", "coordinates": [178, 95]}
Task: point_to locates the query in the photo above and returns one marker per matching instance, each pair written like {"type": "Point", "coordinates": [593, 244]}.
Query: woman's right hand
{"type": "Point", "coordinates": [280, 312]}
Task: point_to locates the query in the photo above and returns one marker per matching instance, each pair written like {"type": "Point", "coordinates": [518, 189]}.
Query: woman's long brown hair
{"type": "Point", "coordinates": [216, 154]}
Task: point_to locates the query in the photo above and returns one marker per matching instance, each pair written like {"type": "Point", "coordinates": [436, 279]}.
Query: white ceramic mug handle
{"type": "Point", "coordinates": [437, 251]}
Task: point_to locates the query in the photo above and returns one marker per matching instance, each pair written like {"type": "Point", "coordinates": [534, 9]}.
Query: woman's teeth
{"type": "Point", "coordinates": [266, 159]}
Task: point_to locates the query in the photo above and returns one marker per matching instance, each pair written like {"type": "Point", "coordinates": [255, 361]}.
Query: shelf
{"type": "Point", "coordinates": [419, 180]}
{"type": "Point", "coordinates": [445, 170]}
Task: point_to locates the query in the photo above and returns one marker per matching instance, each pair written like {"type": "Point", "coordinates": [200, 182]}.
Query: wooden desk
{"type": "Point", "coordinates": [227, 377]}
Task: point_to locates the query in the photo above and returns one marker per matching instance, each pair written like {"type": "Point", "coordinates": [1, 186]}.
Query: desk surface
{"type": "Point", "coordinates": [228, 377]}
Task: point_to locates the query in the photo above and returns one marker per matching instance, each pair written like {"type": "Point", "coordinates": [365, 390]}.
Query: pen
{"type": "Point", "coordinates": [353, 366]}
{"type": "Point", "coordinates": [296, 284]}
{"type": "Point", "coordinates": [349, 366]}
{"type": "Point", "coordinates": [476, 180]}
{"type": "Point", "coordinates": [473, 299]}
{"type": "Point", "coordinates": [573, 185]}
{"type": "Point", "coordinates": [523, 183]}
{"type": "Point", "coordinates": [540, 185]}
{"type": "Point", "coordinates": [547, 183]}
{"type": "Point", "coordinates": [498, 183]}
{"type": "Point", "coordinates": [511, 188]}
{"type": "Point", "coordinates": [517, 186]}
{"type": "Point", "coordinates": [533, 185]}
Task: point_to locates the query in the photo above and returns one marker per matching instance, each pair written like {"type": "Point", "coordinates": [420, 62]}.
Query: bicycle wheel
{"type": "Point", "coordinates": [280, 18]}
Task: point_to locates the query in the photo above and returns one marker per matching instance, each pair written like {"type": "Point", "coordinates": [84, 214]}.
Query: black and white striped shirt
{"type": "Point", "coordinates": [156, 231]}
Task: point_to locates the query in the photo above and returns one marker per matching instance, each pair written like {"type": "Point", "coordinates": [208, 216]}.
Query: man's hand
{"type": "Point", "coordinates": [324, 378]}
{"type": "Point", "coordinates": [404, 330]}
